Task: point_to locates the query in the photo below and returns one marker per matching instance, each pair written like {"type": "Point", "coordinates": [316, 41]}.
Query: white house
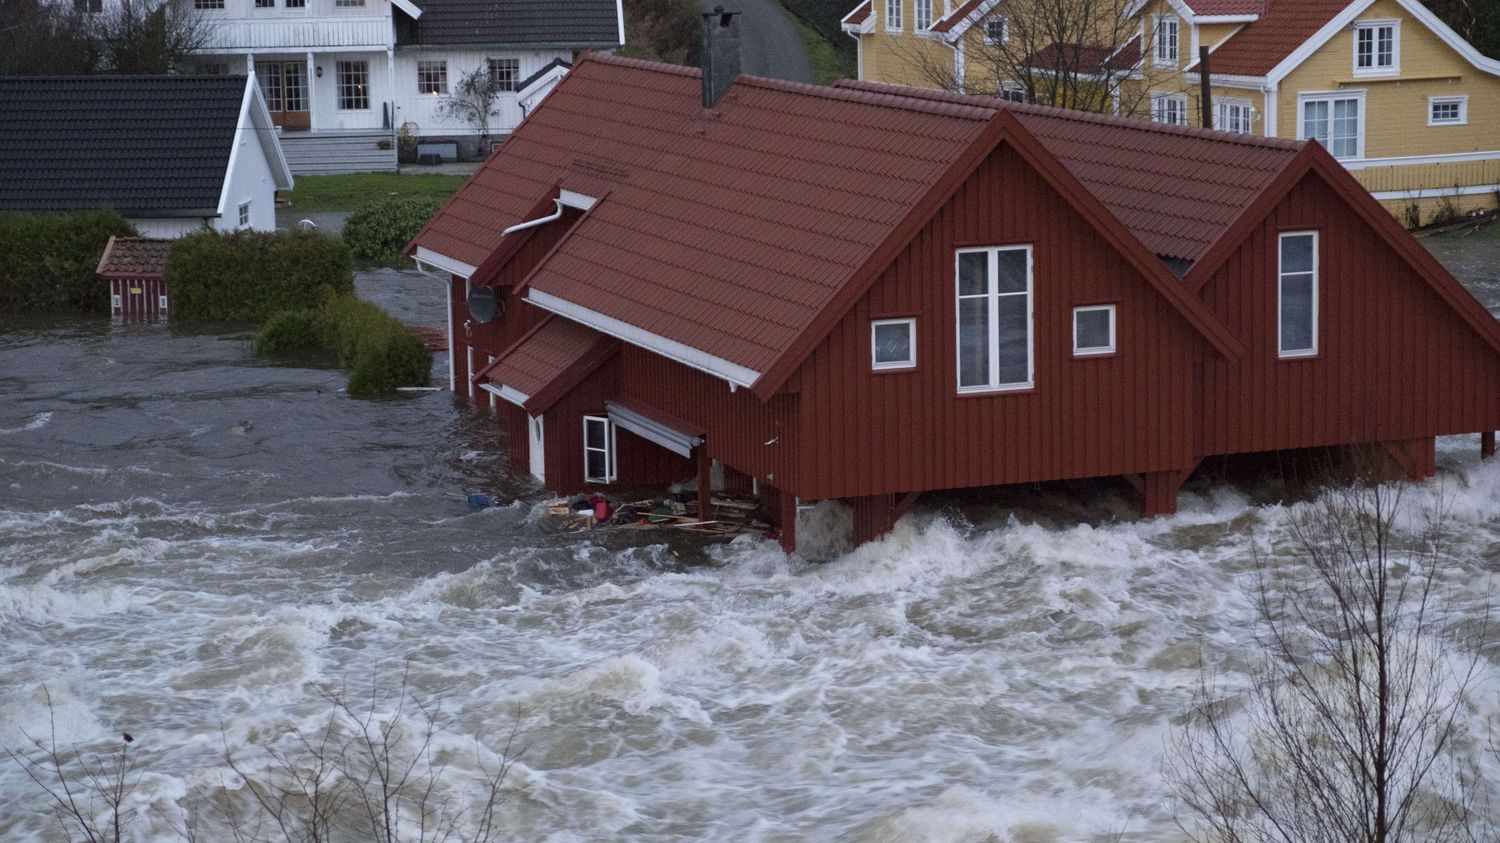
{"type": "Point", "coordinates": [341, 77]}
{"type": "Point", "coordinates": [172, 154]}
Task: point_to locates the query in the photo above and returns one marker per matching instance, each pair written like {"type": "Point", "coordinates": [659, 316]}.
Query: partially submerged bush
{"type": "Point", "coordinates": [379, 230]}
{"type": "Point", "coordinates": [48, 261]}
{"type": "Point", "coordinates": [246, 276]}
{"type": "Point", "coordinates": [379, 352]}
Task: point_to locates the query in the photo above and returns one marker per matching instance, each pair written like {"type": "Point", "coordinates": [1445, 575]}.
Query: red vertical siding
{"type": "Point", "coordinates": [139, 298]}
{"type": "Point", "coordinates": [1394, 361]}
{"type": "Point", "coordinates": [867, 433]}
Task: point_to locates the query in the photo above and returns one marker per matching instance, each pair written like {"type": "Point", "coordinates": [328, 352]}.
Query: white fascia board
{"type": "Point", "coordinates": [1340, 22]}
{"type": "Point", "coordinates": [1417, 160]}
{"type": "Point", "coordinates": [270, 142]}
{"type": "Point", "coordinates": [445, 263]}
{"type": "Point", "coordinates": [1211, 20]}
{"type": "Point", "coordinates": [1183, 11]}
{"type": "Point", "coordinates": [574, 199]}
{"type": "Point", "coordinates": [1451, 38]}
{"type": "Point", "coordinates": [408, 7]}
{"type": "Point", "coordinates": [1249, 83]}
{"type": "Point", "coordinates": [1135, 8]}
{"type": "Point", "coordinates": [240, 124]}
{"type": "Point", "coordinates": [624, 331]}
{"type": "Point", "coordinates": [514, 396]}
{"type": "Point", "coordinates": [1434, 193]}
{"type": "Point", "coordinates": [980, 13]}
{"type": "Point", "coordinates": [620, 16]}
{"type": "Point", "coordinates": [863, 28]}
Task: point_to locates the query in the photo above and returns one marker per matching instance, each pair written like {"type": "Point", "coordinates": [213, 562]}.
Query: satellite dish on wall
{"type": "Point", "coordinates": [484, 305]}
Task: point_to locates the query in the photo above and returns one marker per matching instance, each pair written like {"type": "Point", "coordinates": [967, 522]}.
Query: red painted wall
{"type": "Point", "coordinates": [1394, 360]}
{"type": "Point", "coordinates": [867, 432]}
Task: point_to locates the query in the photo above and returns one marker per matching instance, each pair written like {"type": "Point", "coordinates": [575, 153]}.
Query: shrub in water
{"type": "Point", "coordinates": [377, 350]}
{"type": "Point", "coordinates": [379, 230]}
{"type": "Point", "coordinates": [287, 331]}
{"type": "Point", "coordinates": [246, 276]}
{"type": "Point", "coordinates": [48, 261]}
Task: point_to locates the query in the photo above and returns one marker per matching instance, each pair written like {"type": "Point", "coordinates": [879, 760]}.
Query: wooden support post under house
{"type": "Point", "coordinates": [1416, 459]}
{"type": "Point", "coordinates": [875, 516]}
{"type": "Point", "coordinates": [705, 484]}
{"type": "Point", "coordinates": [1487, 445]}
{"type": "Point", "coordinates": [1159, 490]}
{"type": "Point", "coordinates": [786, 516]}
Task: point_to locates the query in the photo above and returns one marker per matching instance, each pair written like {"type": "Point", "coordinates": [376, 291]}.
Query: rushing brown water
{"type": "Point", "coordinates": [193, 542]}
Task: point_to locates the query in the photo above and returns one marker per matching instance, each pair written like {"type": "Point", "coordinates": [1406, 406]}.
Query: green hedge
{"type": "Point", "coordinates": [245, 276]}
{"type": "Point", "coordinates": [377, 231]}
{"type": "Point", "coordinates": [48, 261]}
{"type": "Point", "coordinates": [379, 352]}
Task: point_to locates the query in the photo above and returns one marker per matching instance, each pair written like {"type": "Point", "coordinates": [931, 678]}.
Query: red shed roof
{"type": "Point", "coordinates": [726, 237]}
{"type": "Point", "coordinates": [1284, 26]}
{"type": "Point", "coordinates": [134, 257]}
{"type": "Point", "coordinates": [547, 362]}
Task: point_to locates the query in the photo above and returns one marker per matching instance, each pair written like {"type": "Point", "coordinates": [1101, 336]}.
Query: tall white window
{"type": "Point", "coordinates": [893, 343]}
{"type": "Point", "coordinates": [353, 85]}
{"type": "Point", "coordinates": [1336, 121]}
{"type": "Point", "coordinates": [1169, 108]}
{"type": "Point", "coordinates": [1377, 47]}
{"type": "Point", "coordinates": [1234, 116]}
{"type": "Point", "coordinates": [1447, 111]}
{"type": "Point", "coordinates": [1297, 295]}
{"type": "Point", "coordinates": [598, 450]}
{"type": "Point", "coordinates": [505, 74]}
{"type": "Point", "coordinates": [1166, 41]}
{"type": "Point", "coordinates": [994, 319]}
{"type": "Point", "coordinates": [924, 14]}
{"type": "Point", "coordinates": [893, 15]}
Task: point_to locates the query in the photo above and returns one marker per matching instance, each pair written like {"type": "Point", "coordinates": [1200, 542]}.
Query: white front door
{"type": "Point", "coordinates": [538, 450]}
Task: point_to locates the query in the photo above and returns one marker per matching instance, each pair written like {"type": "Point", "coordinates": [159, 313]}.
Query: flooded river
{"type": "Point", "coordinates": [194, 543]}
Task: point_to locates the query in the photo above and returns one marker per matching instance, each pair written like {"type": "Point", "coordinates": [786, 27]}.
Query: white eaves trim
{"type": "Point", "coordinates": [982, 11]}
{"type": "Point", "coordinates": [1344, 19]}
{"type": "Point", "coordinates": [865, 28]}
{"type": "Point", "coordinates": [1211, 20]}
{"type": "Point", "coordinates": [620, 16]}
{"type": "Point", "coordinates": [408, 7]}
{"type": "Point", "coordinates": [1473, 190]}
{"type": "Point", "coordinates": [1417, 160]}
{"type": "Point", "coordinates": [514, 396]}
{"type": "Point", "coordinates": [452, 266]}
{"type": "Point", "coordinates": [668, 348]}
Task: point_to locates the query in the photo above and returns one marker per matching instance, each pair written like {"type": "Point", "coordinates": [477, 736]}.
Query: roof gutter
{"type": "Point", "coordinates": [552, 217]}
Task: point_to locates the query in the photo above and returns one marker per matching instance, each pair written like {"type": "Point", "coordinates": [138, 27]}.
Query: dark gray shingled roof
{"type": "Point", "coordinates": [552, 23]}
{"type": "Point", "coordinates": [147, 146]}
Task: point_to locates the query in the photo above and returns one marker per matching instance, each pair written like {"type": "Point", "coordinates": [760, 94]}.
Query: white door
{"type": "Point", "coordinates": [538, 450]}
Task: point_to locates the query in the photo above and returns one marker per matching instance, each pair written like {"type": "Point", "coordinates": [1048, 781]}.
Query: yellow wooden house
{"type": "Point", "coordinates": [1406, 104]}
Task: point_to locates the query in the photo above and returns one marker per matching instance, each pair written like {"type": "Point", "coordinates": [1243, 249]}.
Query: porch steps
{"type": "Point", "coordinates": [323, 153]}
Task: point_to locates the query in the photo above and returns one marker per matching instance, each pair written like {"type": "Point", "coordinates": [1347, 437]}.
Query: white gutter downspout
{"type": "Point", "coordinates": [552, 217]}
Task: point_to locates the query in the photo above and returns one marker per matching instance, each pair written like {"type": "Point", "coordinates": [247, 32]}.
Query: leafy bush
{"type": "Point", "coordinates": [246, 276]}
{"type": "Point", "coordinates": [662, 30]}
{"type": "Point", "coordinates": [379, 230]}
{"type": "Point", "coordinates": [48, 261]}
{"type": "Point", "coordinates": [379, 352]}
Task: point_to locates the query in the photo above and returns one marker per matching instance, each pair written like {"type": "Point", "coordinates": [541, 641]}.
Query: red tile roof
{"type": "Point", "coordinates": [1226, 7]}
{"type": "Point", "coordinates": [1284, 26]}
{"type": "Point", "coordinates": [134, 257]}
{"type": "Point", "coordinates": [1086, 57]}
{"type": "Point", "coordinates": [964, 10]}
{"type": "Point", "coordinates": [550, 360]}
{"type": "Point", "coordinates": [733, 231]}
{"type": "Point", "coordinates": [860, 14]}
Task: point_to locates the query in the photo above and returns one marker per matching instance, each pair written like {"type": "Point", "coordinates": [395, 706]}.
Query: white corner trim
{"type": "Point", "coordinates": [514, 396]}
{"type": "Point", "coordinates": [574, 199]}
{"type": "Point", "coordinates": [452, 340]}
{"type": "Point", "coordinates": [669, 348]}
{"type": "Point", "coordinates": [620, 16]}
{"type": "Point", "coordinates": [445, 263]}
{"type": "Point", "coordinates": [408, 7]}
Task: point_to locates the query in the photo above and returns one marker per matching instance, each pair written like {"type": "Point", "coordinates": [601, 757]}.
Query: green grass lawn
{"type": "Point", "coordinates": [349, 191]}
{"type": "Point", "coordinates": [828, 64]}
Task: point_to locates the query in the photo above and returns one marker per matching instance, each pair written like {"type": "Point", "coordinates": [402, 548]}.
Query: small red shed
{"type": "Point", "coordinates": [865, 292]}
{"type": "Point", "coordinates": [136, 270]}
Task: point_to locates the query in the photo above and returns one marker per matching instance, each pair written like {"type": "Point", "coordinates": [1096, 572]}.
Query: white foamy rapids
{"type": "Point", "coordinates": [37, 422]}
{"type": "Point", "coordinates": [995, 680]}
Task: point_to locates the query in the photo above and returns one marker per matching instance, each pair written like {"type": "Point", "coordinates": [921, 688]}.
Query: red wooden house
{"type": "Point", "coordinates": [865, 292]}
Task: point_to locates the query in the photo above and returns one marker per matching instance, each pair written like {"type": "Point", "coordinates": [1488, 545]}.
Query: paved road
{"type": "Point", "coordinates": [769, 43]}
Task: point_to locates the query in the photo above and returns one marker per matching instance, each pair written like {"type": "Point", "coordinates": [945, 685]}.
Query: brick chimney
{"type": "Point", "coordinates": [721, 53]}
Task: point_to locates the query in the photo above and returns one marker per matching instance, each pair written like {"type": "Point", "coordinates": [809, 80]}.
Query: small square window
{"type": "Point", "coordinates": [1447, 111]}
{"type": "Point", "coordinates": [893, 343]}
{"type": "Point", "coordinates": [1093, 330]}
{"type": "Point", "coordinates": [504, 74]}
{"type": "Point", "coordinates": [244, 214]}
{"type": "Point", "coordinates": [996, 30]}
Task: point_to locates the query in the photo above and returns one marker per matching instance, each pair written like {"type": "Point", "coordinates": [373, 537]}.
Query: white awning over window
{"type": "Point", "coordinates": [654, 427]}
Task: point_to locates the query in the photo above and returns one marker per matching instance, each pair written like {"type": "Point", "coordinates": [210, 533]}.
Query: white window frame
{"type": "Point", "coordinates": [911, 333]}
{"type": "Point", "coordinates": [1158, 110]}
{"type": "Point", "coordinates": [1331, 97]}
{"type": "Point", "coordinates": [1158, 57]}
{"type": "Point", "coordinates": [432, 77]}
{"type": "Point", "coordinates": [993, 320]}
{"type": "Point", "coordinates": [921, 9]}
{"type": "Point", "coordinates": [161, 302]}
{"type": "Point", "coordinates": [893, 22]}
{"type": "Point", "coordinates": [244, 215]}
{"type": "Point", "coordinates": [1281, 350]}
{"type": "Point", "coordinates": [1222, 109]}
{"type": "Point", "coordinates": [116, 301]}
{"type": "Point", "coordinates": [1374, 27]}
{"type": "Point", "coordinates": [1004, 23]}
{"type": "Point", "coordinates": [1102, 351]}
{"type": "Point", "coordinates": [352, 84]}
{"type": "Point", "coordinates": [1463, 110]}
{"type": "Point", "coordinates": [607, 448]}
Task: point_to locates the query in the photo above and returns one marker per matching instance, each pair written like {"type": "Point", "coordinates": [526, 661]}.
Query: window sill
{"type": "Point", "coordinates": [996, 393]}
{"type": "Point", "coordinates": [1095, 355]}
{"type": "Point", "coordinates": [1293, 357]}
{"type": "Point", "coordinates": [895, 370]}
